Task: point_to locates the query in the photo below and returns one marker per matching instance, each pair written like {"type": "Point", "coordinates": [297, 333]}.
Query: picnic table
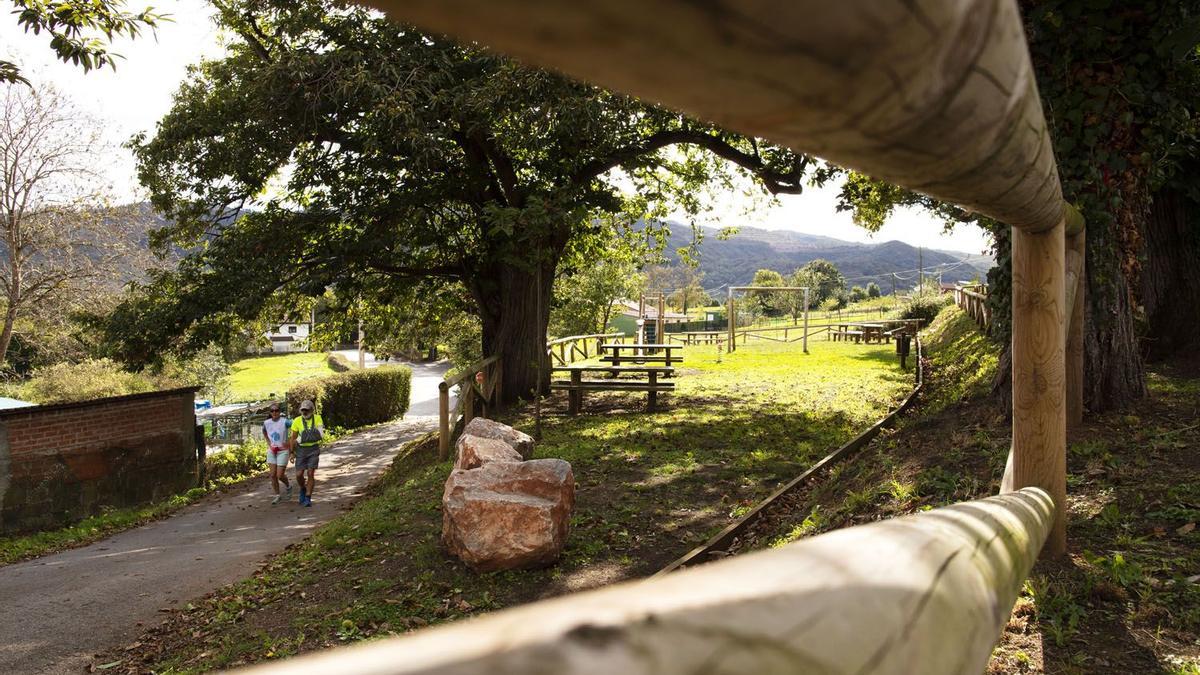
{"type": "Point", "coordinates": [577, 385]}
{"type": "Point", "coordinates": [860, 332]}
{"type": "Point", "coordinates": [640, 353]}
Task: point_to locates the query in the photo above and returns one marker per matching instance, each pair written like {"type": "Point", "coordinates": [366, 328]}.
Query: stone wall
{"type": "Point", "coordinates": [63, 462]}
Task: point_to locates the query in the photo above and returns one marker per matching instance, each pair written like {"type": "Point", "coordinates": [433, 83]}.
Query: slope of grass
{"type": "Point", "coordinates": [965, 359]}
{"type": "Point", "coordinates": [256, 379]}
{"type": "Point", "coordinates": [648, 488]}
{"type": "Point", "coordinates": [1126, 599]}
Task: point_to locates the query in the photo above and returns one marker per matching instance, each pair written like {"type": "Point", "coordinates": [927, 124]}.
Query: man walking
{"type": "Point", "coordinates": [307, 431]}
{"type": "Point", "coordinates": [275, 430]}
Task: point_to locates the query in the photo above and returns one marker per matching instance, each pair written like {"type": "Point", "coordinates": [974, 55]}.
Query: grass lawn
{"type": "Point", "coordinates": [649, 488]}
{"type": "Point", "coordinates": [256, 379]}
{"type": "Point", "coordinates": [1126, 599]}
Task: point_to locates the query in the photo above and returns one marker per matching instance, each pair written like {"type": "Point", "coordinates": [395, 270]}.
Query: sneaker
{"type": "Point", "coordinates": [307, 500]}
{"type": "Point", "coordinates": [276, 500]}
{"type": "Point", "coordinates": [289, 492]}
{"type": "Point", "coordinates": [302, 496]}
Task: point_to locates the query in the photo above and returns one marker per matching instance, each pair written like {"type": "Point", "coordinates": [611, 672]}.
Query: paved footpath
{"type": "Point", "coordinates": [58, 611]}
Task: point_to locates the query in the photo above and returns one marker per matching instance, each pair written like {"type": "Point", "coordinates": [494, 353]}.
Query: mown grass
{"type": "Point", "coordinates": [222, 469]}
{"type": "Point", "coordinates": [258, 378]}
{"type": "Point", "coordinates": [649, 488]}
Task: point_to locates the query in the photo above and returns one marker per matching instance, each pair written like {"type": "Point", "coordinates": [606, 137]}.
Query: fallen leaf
{"type": "Point", "coordinates": [1186, 528]}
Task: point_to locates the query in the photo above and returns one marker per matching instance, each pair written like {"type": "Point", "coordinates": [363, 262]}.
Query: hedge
{"type": "Point", "coordinates": [338, 363]}
{"type": "Point", "coordinates": [356, 398]}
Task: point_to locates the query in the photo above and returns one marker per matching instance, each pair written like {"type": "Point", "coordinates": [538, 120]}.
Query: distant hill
{"type": "Point", "coordinates": [735, 260]}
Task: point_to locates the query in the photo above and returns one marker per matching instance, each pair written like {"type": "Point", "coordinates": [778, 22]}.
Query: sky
{"type": "Point", "coordinates": [138, 93]}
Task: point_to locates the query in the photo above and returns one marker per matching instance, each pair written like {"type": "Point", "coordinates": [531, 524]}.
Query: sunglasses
{"type": "Point", "coordinates": [274, 410]}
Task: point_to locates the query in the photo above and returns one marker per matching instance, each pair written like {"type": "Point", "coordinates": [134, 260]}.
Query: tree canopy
{"type": "Point", "coordinates": [1120, 84]}
{"type": "Point", "coordinates": [333, 147]}
{"type": "Point", "coordinates": [80, 32]}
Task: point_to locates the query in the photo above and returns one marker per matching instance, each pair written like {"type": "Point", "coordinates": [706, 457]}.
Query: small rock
{"type": "Point", "coordinates": [485, 428]}
{"type": "Point", "coordinates": [474, 451]}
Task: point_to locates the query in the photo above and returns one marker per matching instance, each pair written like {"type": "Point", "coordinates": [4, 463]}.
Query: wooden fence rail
{"type": "Point", "coordinates": [567, 350]}
{"type": "Point", "coordinates": [975, 304]}
{"type": "Point", "coordinates": [474, 392]}
{"type": "Point", "coordinates": [928, 593]}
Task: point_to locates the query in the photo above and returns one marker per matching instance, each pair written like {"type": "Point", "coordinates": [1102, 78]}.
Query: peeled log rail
{"type": "Point", "coordinates": [568, 347]}
{"type": "Point", "coordinates": [937, 96]}
{"type": "Point", "coordinates": [469, 392]}
{"type": "Point", "coordinates": [928, 593]}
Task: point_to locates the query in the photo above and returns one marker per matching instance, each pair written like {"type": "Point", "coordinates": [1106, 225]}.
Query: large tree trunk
{"type": "Point", "coordinates": [1114, 375]}
{"type": "Point", "coordinates": [10, 319]}
{"type": "Point", "coordinates": [514, 328]}
{"type": "Point", "coordinates": [1170, 286]}
{"type": "Point", "coordinates": [1112, 363]}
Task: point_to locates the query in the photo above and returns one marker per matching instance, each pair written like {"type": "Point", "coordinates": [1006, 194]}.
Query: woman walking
{"type": "Point", "coordinates": [275, 430]}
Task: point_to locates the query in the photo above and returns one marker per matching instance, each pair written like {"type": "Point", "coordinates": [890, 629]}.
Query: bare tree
{"type": "Point", "coordinates": [57, 234]}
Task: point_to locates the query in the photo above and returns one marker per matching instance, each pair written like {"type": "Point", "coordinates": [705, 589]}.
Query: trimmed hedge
{"type": "Point", "coordinates": [338, 363]}
{"type": "Point", "coordinates": [356, 398]}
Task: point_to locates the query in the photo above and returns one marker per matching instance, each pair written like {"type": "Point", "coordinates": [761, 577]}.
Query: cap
{"type": "Point", "coordinates": [307, 405]}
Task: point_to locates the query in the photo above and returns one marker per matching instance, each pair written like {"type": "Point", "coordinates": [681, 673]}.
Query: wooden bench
{"type": "Point", "coordinates": [577, 385]}
{"type": "Point", "coordinates": [642, 353]}
{"type": "Point", "coordinates": [846, 334]}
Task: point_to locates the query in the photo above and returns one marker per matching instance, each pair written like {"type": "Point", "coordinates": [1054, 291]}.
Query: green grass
{"type": "Point", "coordinates": [966, 359]}
{"type": "Point", "coordinates": [649, 488]}
{"type": "Point", "coordinates": [256, 379]}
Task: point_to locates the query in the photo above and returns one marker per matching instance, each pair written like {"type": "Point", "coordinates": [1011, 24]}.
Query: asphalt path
{"type": "Point", "coordinates": [58, 611]}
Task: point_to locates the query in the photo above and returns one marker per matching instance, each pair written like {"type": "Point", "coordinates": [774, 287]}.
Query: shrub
{"type": "Point", "coordinates": [923, 307]}
{"type": "Point", "coordinates": [873, 290]}
{"type": "Point", "coordinates": [339, 363]}
{"type": "Point", "coordinates": [94, 378]}
{"type": "Point", "coordinates": [858, 294]}
{"type": "Point", "coordinates": [237, 461]}
{"type": "Point", "coordinates": [356, 398]}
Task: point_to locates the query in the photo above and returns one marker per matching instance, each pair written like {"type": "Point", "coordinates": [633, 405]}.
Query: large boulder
{"type": "Point", "coordinates": [508, 515]}
{"type": "Point", "coordinates": [474, 451]}
{"type": "Point", "coordinates": [485, 428]}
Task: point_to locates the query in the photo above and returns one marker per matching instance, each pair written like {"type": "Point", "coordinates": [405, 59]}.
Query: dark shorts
{"type": "Point", "coordinates": [307, 456]}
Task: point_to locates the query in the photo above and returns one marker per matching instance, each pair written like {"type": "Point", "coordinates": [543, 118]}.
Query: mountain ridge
{"type": "Point", "coordinates": [733, 261]}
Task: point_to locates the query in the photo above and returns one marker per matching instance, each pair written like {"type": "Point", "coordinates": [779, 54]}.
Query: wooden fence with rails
{"type": "Point", "coordinates": [974, 301]}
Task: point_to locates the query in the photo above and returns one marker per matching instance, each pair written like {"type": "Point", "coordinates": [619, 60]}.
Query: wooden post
{"type": "Point", "coordinates": [652, 396]}
{"type": "Point", "coordinates": [806, 321]}
{"type": "Point", "coordinates": [467, 388]}
{"type": "Point", "coordinates": [660, 326]}
{"type": "Point", "coordinates": [1074, 355]}
{"type": "Point", "coordinates": [443, 421]}
{"type": "Point", "coordinates": [732, 319]}
{"type": "Point", "coordinates": [1038, 374]}
{"type": "Point", "coordinates": [575, 396]}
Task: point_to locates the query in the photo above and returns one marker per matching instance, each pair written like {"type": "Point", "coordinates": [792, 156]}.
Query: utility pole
{"type": "Point", "coordinates": [893, 286]}
{"type": "Point", "coordinates": [920, 269]}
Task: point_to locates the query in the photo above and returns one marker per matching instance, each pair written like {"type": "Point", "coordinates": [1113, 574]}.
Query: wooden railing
{"type": "Point", "coordinates": [567, 350]}
{"type": "Point", "coordinates": [478, 385]}
{"type": "Point", "coordinates": [928, 593]}
{"type": "Point", "coordinates": [975, 304]}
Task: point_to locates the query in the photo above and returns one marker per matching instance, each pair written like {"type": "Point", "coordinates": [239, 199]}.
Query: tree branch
{"type": "Point", "coordinates": [774, 181]}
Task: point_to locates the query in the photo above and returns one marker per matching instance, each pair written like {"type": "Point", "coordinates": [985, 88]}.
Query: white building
{"type": "Point", "coordinates": [289, 337]}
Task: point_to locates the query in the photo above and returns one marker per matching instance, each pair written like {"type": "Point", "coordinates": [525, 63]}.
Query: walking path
{"type": "Point", "coordinates": [56, 612]}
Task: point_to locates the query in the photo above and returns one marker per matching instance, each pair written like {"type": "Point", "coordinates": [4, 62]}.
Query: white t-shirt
{"type": "Point", "coordinates": [277, 431]}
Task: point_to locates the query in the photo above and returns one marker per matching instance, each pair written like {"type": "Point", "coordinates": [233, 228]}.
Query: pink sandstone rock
{"type": "Point", "coordinates": [485, 428]}
{"type": "Point", "coordinates": [474, 451]}
{"type": "Point", "coordinates": [508, 515]}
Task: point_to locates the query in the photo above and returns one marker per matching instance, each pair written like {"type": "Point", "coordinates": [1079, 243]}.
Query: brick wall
{"type": "Point", "coordinates": [63, 462]}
